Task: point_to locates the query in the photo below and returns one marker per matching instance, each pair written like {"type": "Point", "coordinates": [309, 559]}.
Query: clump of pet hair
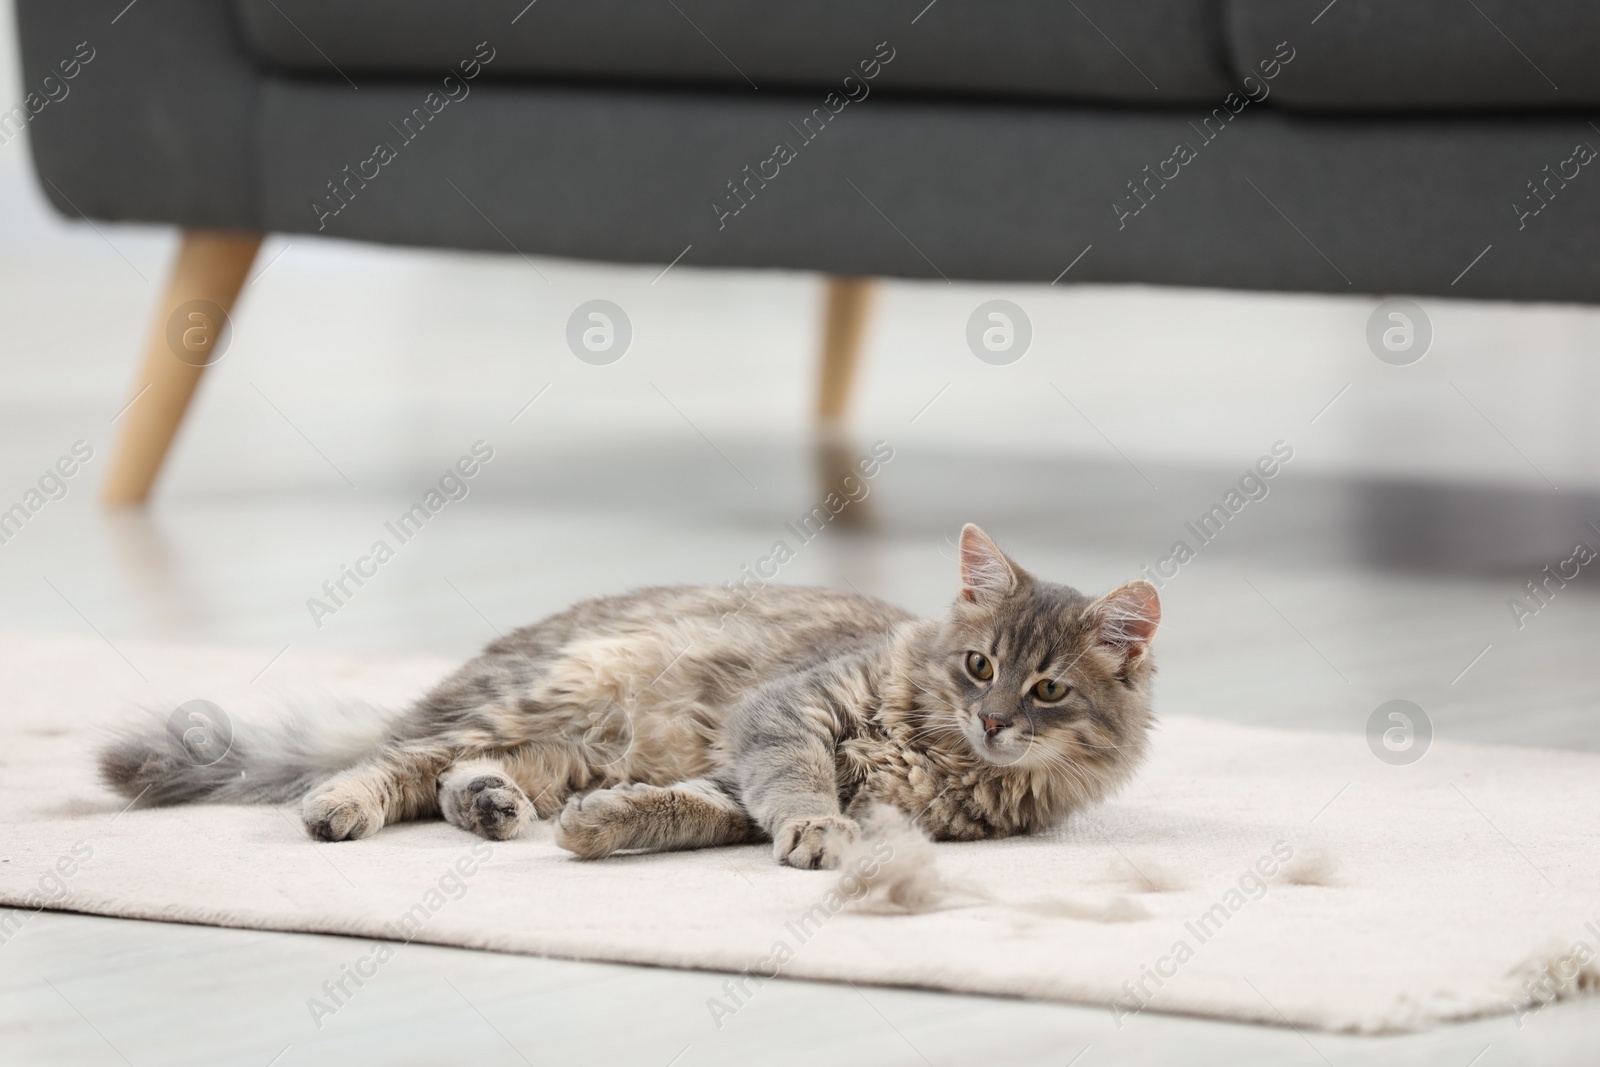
{"type": "Point", "coordinates": [1312, 866]}
{"type": "Point", "coordinates": [1145, 876]}
{"type": "Point", "coordinates": [1116, 909]}
{"type": "Point", "coordinates": [891, 868]}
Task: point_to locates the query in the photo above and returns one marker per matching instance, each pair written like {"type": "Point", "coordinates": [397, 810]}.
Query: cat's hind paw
{"type": "Point", "coordinates": [485, 801]}
{"type": "Point", "coordinates": [334, 814]}
{"type": "Point", "coordinates": [814, 842]}
{"type": "Point", "coordinates": [600, 823]}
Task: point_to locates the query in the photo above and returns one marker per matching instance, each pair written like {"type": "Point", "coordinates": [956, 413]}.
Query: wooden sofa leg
{"type": "Point", "coordinates": [848, 300]}
{"type": "Point", "coordinates": [206, 277]}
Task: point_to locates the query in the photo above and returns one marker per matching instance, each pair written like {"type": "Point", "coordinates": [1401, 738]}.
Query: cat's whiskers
{"type": "Point", "coordinates": [1061, 763]}
{"type": "Point", "coordinates": [1107, 748]}
{"type": "Point", "coordinates": [939, 724]}
{"type": "Point", "coordinates": [933, 735]}
{"type": "Point", "coordinates": [938, 731]}
{"type": "Point", "coordinates": [940, 699]}
{"type": "Point", "coordinates": [936, 727]}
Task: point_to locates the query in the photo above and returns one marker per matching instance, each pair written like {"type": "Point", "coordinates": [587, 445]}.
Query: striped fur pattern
{"type": "Point", "coordinates": [686, 717]}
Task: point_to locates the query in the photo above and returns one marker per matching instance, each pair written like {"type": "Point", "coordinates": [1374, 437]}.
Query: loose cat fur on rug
{"type": "Point", "coordinates": [686, 717]}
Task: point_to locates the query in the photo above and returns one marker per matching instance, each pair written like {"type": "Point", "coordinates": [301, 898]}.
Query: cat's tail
{"type": "Point", "coordinates": [199, 753]}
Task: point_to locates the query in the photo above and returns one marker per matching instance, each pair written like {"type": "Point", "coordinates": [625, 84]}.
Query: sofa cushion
{"type": "Point", "coordinates": [978, 191]}
{"type": "Point", "coordinates": [1158, 51]}
{"type": "Point", "coordinates": [1415, 55]}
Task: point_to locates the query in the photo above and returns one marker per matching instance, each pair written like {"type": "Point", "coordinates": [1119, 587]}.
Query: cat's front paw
{"type": "Point", "coordinates": [338, 815]}
{"type": "Point", "coordinates": [814, 842]}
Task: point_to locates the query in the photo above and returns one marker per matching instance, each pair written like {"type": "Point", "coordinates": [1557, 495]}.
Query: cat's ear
{"type": "Point", "coordinates": [987, 577]}
{"type": "Point", "coordinates": [1127, 618]}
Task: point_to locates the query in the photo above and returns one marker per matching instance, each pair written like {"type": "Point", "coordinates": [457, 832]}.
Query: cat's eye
{"type": "Point", "coordinates": [979, 666]}
{"type": "Point", "coordinates": [1050, 691]}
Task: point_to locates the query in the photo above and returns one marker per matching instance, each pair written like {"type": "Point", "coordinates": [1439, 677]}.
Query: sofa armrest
{"type": "Point", "coordinates": [157, 122]}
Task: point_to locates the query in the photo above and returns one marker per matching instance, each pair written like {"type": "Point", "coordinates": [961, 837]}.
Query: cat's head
{"type": "Point", "coordinates": [1036, 675]}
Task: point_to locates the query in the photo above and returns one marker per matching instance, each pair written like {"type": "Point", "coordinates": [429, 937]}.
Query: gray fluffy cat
{"type": "Point", "coordinates": [685, 717]}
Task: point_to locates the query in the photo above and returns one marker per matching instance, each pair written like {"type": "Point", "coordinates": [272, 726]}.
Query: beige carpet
{"type": "Point", "coordinates": [1440, 881]}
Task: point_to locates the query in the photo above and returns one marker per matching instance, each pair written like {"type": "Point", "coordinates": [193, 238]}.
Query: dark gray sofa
{"type": "Point", "coordinates": [1377, 146]}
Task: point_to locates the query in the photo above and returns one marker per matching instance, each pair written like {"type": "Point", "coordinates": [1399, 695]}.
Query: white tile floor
{"type": "Point", "coordinates": [1379, 567]}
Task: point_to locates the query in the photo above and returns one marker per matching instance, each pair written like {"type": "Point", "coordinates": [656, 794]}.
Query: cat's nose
{"type": "Point", "coordinates": [993, 724]}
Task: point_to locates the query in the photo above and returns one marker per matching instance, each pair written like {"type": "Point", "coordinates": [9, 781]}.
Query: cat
{"type": "Point", "coordinates": [687, 717]}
